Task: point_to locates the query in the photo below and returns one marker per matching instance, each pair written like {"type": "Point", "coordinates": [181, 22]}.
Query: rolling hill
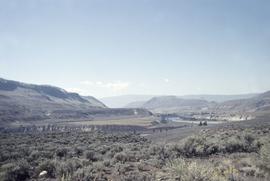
{"type": "Point", "coordinates": [171, 104]}
{"type": "Point", "coordinates": [29, 102]}
{"type": "Point", "coordinates": [258, 103]}
{"type": "Point", "coordinates": [239, 109]}
{"type": "Point", "coordinates": [210, 98]}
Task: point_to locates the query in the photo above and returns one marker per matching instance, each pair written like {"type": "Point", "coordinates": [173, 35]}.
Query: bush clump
{"type": "Point", "coordinates": [265, 156]}
{"type": "Point", "coordinates": [183, 170]}
{"type": "Point", "coordinates": [49, 166]}
{"type": "Point", "coordinates": [91, 155]}
{"type": "Point", "coordinates": [20, 171]}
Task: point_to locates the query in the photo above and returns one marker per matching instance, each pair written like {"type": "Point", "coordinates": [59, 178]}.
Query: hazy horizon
{"type": "Point", "coordinates": [142, 95]}
{"type": "Point", "coordinates": [145, 47]}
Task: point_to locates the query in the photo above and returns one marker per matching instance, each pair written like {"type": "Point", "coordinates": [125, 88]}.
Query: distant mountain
{"type": "Point", "coordinates": [258, 103]}
{"type": "Point", "coordinates": [173, 103]}
{"type": "Point", "coordinates": [209, 98]}
{"type": "Point", "coordinates": [239, 109]}
{"type": "Point", "coordinates": [135, 104]}
{"type": "Point", "coordinates": [123, 101]}
{"type": "Point", "coordinates": [29, 102]}
{"type": "Point", "coordinates": [219, 98]}
{"type": "Point", "coordinates": [265, 95]}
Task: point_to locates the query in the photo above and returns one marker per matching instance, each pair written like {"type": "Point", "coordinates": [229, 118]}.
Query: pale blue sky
{"type": "Point", "coordinates": [113, 47]}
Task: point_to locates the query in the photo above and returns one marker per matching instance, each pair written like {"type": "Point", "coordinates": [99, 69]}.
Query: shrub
{"type": "Point", "coordinates": [34, 155]}
{"type": "Point", "coordinates": [183, 170]}
{"type": "Point", "coordinates": [85, 173]}
{"type": "Point", "coordinates": [116, 149]}
{"type": "Point", "coordinates": [160, 151]}
{"type": "Point", "coordinates": [61, 152]}
{"type": "Point", "coordinates": [245, 142]}
{"type": "Point", "coordinates": [64, 170]}
{"type": "Point", "coordinates": [120, 157]}
{"type": "Point", "coordinates": [91, 155]}
{"type": "Point", "coordinates": [193, 146]}
{"type": "Point", "coordinates": [106, 163]}
{"type": "Point", "coordinates": [198, 146]}
{"type": "Point", "coordinates": [98, 166]}
{"type": "Point", "coordinates": [265, 157]}
{"type": "Point", "coordinates": [137, 176]}
{"type": "Point", "coordinates": [227, 171]}
{"type": "Point", "coordinates": [20, 171]}
{"type": "Point", "coordinates": [78, 151]}
{"type": "Point", "coordinates": [103, 149]}
{"type": "Point", "coordinates": [234, 145]}
{"type": "Point", "coordinates": [49, 166]}
{"type": "Point", "coordinates": [144, 166]}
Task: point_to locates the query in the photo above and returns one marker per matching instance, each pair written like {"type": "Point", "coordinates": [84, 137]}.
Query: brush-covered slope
{"type": "Point", "coordinates": [258, 103]}
{"type": "Point", "coordinates": [24, 102]}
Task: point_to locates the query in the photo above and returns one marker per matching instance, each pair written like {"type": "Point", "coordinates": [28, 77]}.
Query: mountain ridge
{"type": "Point", "coordinates": [29, 102]}
{"type": "Point", "coordinates": [208, 97]}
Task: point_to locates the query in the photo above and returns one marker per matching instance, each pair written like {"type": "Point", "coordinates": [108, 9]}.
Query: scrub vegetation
{"type": "Point", "coordinates": [220, 154]}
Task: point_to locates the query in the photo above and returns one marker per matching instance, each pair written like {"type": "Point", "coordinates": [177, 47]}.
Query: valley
{"type": "Point", "coordinates": [47, 133]}
{"type": "Point", "coordinates": [134, 90]}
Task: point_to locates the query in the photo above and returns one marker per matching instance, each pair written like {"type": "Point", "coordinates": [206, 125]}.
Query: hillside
{"type": "Point", "coordinates": [258, 103]}
{"type": "Point", "coordinates": [135, 104]}
{"type": "Point", "coordinates": [175, 104]}
{"type": "Point", "coordinates": [219, 98]}
{"type": "Point", "coordinates": [250, 106]}
{"type": "Point", "coordinates": [29, 102]}
{"type": "Point", "coordinates": [210, 98]}
{"type": "Point", "coordinates": [95, 101]}
{"type": "Point", "coordinates": [237, 103]}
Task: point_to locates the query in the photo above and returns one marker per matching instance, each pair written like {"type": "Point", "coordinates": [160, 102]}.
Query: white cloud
{"type": "Point", "coordinates": [115, 86]}
{"type": "Point", "coordinates": [118, 86]}
{"type": "Point", "coordinates": [100, 83]}
{"type": "Point", "coordinates": [166, 80]}
{"type": "Point", "coordinates": [78, 90]}
{"type": "Point", "coordinates": [86, 82]}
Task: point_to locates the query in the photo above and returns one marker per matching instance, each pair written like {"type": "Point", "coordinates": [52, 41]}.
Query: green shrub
{"type": "Point", "coordinates": [91, 155]}
{"type": "Point", "coordinates": [61, 152]}
{"type": "Point", "coordinates": [49, 166]}
{"type": "Point", "coordinates": [20, 171]}
{"type": "Point", "coordinates": [183, 170]}
{"type": "Point", "coordinates": [121, 157]}
{"type": "Point", "coordinates": [85, 173]}
{"type": "Point", "coordinates": [78, 151]}
{"type": "Point", "coordinates": [265, 157]}
{"type": "Point", "coordinates": [116, 149]}
{"type": "Point", "coordinates": [34, 155]}
{"type": "Point", "coordinates": [234, 145]}
{"type": "Point", "coordinates": [193, 146]}
{"type": "Point", "coordinates": [137, 176]}
{"type": "Point", "coordinates": [201, 146]}
{"type": "Point", "coordinates": [106, 163]}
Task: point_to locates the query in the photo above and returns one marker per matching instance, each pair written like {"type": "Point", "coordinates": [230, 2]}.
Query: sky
{"type": "Point", "coordinates": [117, 47]}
